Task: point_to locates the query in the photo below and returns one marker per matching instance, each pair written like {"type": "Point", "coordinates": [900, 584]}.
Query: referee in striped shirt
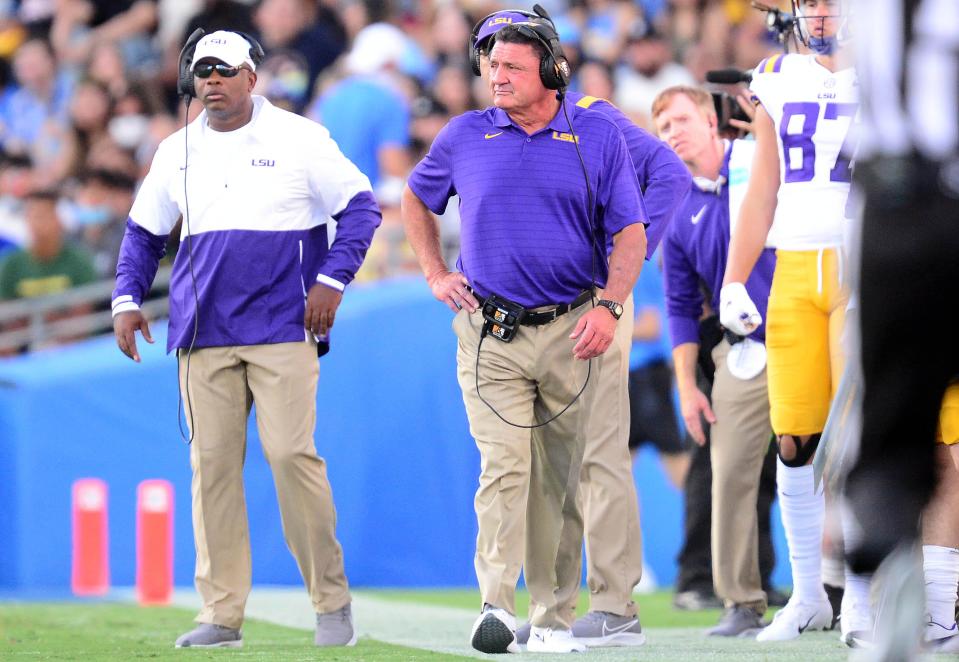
{"type": "Point", "coordinates": [907, 172]}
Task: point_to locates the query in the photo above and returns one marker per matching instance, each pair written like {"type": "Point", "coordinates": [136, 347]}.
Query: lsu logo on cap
{"type": "Point", "coordinates": [499, 20]}
{"type": "Point", "coordinates": [565, 137]}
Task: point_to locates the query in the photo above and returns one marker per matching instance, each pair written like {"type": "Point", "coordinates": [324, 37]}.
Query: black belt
{"type": "Point", "coordinates": [540, 317]}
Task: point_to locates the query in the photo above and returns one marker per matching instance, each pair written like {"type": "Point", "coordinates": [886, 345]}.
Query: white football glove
{"type": "Point", "coordinates": [737, 312]}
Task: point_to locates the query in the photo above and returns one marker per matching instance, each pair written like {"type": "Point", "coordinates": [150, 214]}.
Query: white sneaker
{"type": "Point", "coordinates": [797, 617]}
{"type": "Point", "coordinates": [494, 631]}
{"type": "Point", "coordinates": [856, 623]}
{"type": "Point", "coordinates": [548, 640]}
{"type": "Point", "coordinates": [936, 631]}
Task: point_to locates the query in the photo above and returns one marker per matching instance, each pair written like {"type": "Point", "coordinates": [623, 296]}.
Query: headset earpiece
{"type": "Point", "coordinates": [257, 53]}
{"type": "Point", "coordinates": [554, 69]}
{"type": "Point", "coordinates": [184, 83]}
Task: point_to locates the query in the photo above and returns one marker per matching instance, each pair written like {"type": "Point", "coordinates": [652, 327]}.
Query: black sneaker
{"type": "Point", "coordinates": [494, 631]}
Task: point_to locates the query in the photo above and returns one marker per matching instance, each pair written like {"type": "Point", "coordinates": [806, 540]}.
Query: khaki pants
{"type": "Point", "coordinates": [739, 441]}
{"type": "Point", "coordinates": [606, 498]}
{"type": "Point", "coordinates": [526, 381]}
{"type": "Point", "coordinates": [224, 383]}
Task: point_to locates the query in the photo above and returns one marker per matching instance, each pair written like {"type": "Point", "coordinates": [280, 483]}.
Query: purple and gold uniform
{"type": "Point", "coordinates": [813, 110]}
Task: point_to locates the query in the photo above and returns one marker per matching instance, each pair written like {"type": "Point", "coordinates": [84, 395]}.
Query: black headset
{"type": "Point", "coordinates": [184, 84]}
{"type": "Point", "coordinates": [554, 69]}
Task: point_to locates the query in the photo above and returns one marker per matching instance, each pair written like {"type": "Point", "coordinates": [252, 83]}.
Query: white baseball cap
{"type": "Point", "coordinates": [374, 47]}
{"type": "Point", "coordinates": [227, 47]}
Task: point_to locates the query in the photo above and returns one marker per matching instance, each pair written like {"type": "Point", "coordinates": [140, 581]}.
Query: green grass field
{"type": "Point", "coordinates": [393, 626]}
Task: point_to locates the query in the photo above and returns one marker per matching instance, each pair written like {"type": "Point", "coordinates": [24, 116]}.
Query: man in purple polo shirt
{"type": "Point", "coordinates": [694, 258]}
{"type": "Point", "coordinates": [606, 509]}
{"type": "Point", "coordinates": [535, 225]}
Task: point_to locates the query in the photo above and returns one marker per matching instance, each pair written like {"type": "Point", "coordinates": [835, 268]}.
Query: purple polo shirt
{"type": "Point", "coordinates": [525, 233]}
{"type": "Point", "coordinates": [663, 177]}
{"type": "Point", "coordinates": [695, 251]}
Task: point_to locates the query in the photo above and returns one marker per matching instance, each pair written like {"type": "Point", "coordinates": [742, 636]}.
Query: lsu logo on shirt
{"type": "Point", "coordinates": [565, 137]}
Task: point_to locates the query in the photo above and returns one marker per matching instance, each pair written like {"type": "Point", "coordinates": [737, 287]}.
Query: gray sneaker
{"type": "Point", "coordinates": [208, 635]}
{"type": "Point", "coordinates": [522, 633]}
{"type": "Point", "coordinates": [335, 628]}
{"type": "Point", "coordinates": [601, 628]}
{"type": "Point", "coordinates": [737, 620]}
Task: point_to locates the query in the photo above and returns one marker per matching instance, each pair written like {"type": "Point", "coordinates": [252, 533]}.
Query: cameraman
{"type": "Point", "coordinates": [695, 250]}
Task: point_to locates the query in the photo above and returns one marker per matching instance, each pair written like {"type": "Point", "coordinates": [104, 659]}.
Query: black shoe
{"type": "Point", "coordinates": [736, 620]}
{"type": "Point", "coordinates": [696, 601]}
{"type": "Point", "coordinates": [776, 598]}
{"type": "Point", "coordinates": [835, 593]}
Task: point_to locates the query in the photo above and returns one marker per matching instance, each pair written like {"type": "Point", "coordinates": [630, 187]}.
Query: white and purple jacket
{"type": "Point", "coordinates": [261, 199]}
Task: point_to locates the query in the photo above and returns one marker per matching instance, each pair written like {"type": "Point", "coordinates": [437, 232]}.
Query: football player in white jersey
{"type": "Point", "coordinates": [795, 201]}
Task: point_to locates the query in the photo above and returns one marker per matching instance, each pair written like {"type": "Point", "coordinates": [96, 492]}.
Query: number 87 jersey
{"type": "Point", "coordinates": [813, 110]}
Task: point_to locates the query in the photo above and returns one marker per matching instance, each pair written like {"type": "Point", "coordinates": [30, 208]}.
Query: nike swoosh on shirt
{"type": "Point", "coordinates": [698, 215]}
{"type": "Point", "coordinates": [616, 630]}
{"type": "Point", "coordinates": [492, 135]}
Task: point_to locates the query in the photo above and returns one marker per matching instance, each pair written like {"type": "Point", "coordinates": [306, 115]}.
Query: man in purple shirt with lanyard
{"type": "Point", "coordinates": [544, 185]}
{"type": "Point", "coordinates": [607, 510]}
{"type": "Point", "coordinates": [694, 258]}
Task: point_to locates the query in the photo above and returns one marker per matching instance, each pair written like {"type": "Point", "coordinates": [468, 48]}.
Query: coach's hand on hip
{"type": "Point", "coordinates": [321, 305]}
{"type": "Point", "coordinates": [124, 328]}
{"type": "Point", "coordinates": [450, 287]}
{"type": "Point", "coordinates": [595, 331]}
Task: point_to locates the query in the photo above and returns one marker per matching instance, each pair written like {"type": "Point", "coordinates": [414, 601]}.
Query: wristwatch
{"type": "Point", "coordinates": [615, 308]}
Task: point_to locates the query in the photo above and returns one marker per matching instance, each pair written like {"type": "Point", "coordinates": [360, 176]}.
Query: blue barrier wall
{"type": "Point", "coordinates": [390, 424]}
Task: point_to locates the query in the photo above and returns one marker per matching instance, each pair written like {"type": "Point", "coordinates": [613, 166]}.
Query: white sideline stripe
{"type": "Point", "coordinates": [446, 630]}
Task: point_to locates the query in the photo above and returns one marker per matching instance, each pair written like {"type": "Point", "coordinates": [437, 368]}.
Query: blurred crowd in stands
{"type": "Point", "coordinates": [88, 90]}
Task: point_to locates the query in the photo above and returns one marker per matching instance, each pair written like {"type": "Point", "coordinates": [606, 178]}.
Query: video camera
{"type": "Point", "coordinates": [726, 106]}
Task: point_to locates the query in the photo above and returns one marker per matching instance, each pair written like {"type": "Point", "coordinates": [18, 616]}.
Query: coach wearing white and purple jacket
{"type": "Point", "coordinates": [257, 188]}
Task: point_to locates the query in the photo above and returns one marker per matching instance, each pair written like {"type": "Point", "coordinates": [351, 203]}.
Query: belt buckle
{"type": "Point", "coordinates": [553, 314]}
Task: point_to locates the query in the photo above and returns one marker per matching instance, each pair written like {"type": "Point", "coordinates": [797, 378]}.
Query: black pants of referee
{"type": "Point", "coordinates": [909, 290]}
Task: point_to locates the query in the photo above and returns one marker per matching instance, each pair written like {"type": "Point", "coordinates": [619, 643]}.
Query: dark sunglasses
{"type": "Point", "coordinates": [205, 70]}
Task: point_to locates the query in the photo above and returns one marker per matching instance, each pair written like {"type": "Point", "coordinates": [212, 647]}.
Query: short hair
{"type": "Point", "coordinates": [699, 96]}
{"type": "Point", "coordinates": [512, 34]}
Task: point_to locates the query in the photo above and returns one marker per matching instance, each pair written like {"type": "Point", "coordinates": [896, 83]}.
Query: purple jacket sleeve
{"type": "Point", "coordinates": [665, 181]}
{"type": "Point", "coordinates": [663, 178]}
{"type": "Point", "coordinates": [140, 254]}
{"type": "Point", "coordinates": [684, 300]}
{"type": "Point", "coordinates": [355, 226]}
